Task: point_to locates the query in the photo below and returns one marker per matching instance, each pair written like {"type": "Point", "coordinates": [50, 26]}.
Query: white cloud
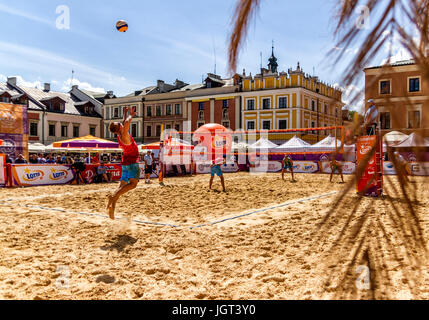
{"type": "Point", "coordinates": [82, 85]}
{"type": "Point", "coordinates": [353, 97]}
{"type": "Point", "coordinates": [33, 60]}
{"type": "Point", "coordinates": [26, 15]}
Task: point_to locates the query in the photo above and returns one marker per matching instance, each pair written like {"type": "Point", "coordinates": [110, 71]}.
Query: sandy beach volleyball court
{"type": "Point", "coordinates": [279, 253]}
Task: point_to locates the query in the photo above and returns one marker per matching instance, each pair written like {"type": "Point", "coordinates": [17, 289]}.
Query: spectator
{"type": "Point", "coordinates": [59, 160]}
{"type": "Point", "coordinates": [41, 159]}
{"type": "Point", "coordinates": [49, 159]}
{"type": "Point", "coordinates": [20, 159]}
{"type": "Point", "coordinates": [34, 159]}
{"type": "Point", "coordinates": [88, 160]}
{"type": "Point", "coordinates": [69, 161]}
{"type": "Point", "coordinates": [148, 160]}
{"type": "Point", "coordinates": [63, 158]}
{"type": "Point", "coordinates": [96, 159]}
{"type": "Point", "coordinates": [78, 168]}
{"type": "Point", "coordinates": [102, 173]}
{"type": "Point", "coordinates": [8, 160]}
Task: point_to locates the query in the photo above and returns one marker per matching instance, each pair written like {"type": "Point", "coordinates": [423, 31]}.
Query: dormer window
{"type": "Point", "coordinates": [225, 104]}
{"type": "Point", "coordinates": [54, 103]}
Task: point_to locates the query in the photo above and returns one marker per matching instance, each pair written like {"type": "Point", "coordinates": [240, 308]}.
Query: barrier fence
{"type": "Point", "coordinates": [26, 175]}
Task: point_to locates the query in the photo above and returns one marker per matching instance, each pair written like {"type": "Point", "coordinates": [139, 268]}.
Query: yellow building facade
{"type": "Point", "coordinates": [274, 101]}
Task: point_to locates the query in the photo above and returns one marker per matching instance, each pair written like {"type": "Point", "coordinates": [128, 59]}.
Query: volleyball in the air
{"type": "Point", "coordinates": [122, 26]}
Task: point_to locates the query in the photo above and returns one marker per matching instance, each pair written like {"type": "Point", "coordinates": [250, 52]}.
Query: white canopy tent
{"type": "Point", "coordinates": [36, 148]}
{"type": "Point", "coordinates": [394, 137]}
{"type": "Point", "coordinates": [263, 143]}
{"type": "Point", "coordinates": [293, 145]}
{"type": "Point", "coordinates": [328, 144]}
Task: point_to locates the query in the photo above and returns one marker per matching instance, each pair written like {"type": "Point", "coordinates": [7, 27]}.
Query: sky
{"type": "Point", "coordinates": [166, 40]}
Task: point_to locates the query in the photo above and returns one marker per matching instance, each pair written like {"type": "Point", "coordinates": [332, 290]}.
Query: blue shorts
{"type": "Point", "coordinates": [130, 172]}
{"type": "Point", "coordinates": [288, 166]}
{"type": "Point", "coordinates": [216, 170]}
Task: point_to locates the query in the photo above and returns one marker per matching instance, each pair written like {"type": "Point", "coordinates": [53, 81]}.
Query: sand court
{"type": "Point", "coordinates": [278, 252]}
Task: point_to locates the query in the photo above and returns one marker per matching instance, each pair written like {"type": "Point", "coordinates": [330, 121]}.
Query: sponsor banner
{"type": "Point", "coordinates": [39, 175]}
{"type": "Point", "coordinates": [305, 167]}
{"type": "Point", "coordinates": [388, 168]}
{"type": "Point", "coordinates": [364, 146]}
{"type": "Point", "coordinates": [199, 154]}
{"type": "Point", "coordinates": [91, 172]}
{"type": "Point", "coordinates": [13, 119]}
{"type": "Point", "coordinates": [266, 166]}
{"type": "Point", "coordinates": [347, 166]}
{"type": "Point", "coordinates": [419, 168]}
{"type": "Point", "coordinates": [205, 167]}
{"type": "Point", "coordinates": [2, 171]}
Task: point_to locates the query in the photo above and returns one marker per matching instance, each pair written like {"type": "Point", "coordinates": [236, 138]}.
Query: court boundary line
{"type": "Point", "coordinates": [140, 222]}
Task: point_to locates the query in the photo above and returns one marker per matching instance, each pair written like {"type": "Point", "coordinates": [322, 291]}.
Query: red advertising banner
{"type": "Point", "coordinates": [370, 182]}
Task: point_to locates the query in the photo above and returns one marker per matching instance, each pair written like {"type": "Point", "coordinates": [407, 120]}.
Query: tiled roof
{"type": "Point", "coordinates": [40, 95]}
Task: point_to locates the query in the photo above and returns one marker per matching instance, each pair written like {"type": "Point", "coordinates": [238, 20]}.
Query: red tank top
{"type": "Point", "coordinates": [131, 152]}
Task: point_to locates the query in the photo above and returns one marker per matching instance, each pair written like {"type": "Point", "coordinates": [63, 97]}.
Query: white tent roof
{"type": "Point", "coordinates": [36, 147]}
{"type": "Point", "coordinates": [294, 143]}
{"type": "Point", "coordinates": [239, 145]}
{"type": "Point", "coordinates": [263, 143]}
{"type": "Point", "coordinates": [394, 137]}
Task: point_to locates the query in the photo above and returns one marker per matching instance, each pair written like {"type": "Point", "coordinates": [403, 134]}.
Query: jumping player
{"type": "Point", "coordinates": [287, 164]}
{"type": "Point", "coordinates": [336, 166]}
{"type": "Point", "coordinates": [130, 167]}
{"type": "Point", "coordinates": [216, 169]}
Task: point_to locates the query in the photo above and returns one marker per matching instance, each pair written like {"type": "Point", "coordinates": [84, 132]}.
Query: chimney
{"type": "Point", "coordinates": [47, 87]}
{"type": "Point", "coordinates": [73, 87]}
{"type": "Point", "coordinates": [11, 81]}
{"type": "Point", "coordinates": [160, 85]}
{"type": "Point", "coordinates": [110, 93]}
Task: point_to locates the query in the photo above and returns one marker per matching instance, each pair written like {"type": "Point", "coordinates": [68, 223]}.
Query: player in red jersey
{"type": "Point", "coordinates": [130, 167]}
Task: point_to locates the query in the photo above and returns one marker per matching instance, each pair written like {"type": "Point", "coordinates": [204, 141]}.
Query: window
{"type": "Point", "coordinates": [225, 104]}
{"type": "Point", "coordinates": [266, 125]}
{"type": "Point", "coordinates": [149, 111]}
{"type": "Point", "coordinates": [414, 85]}
{"type": "Point", "coordinates": [313, 105]}
{"type": "Point", "coordinates": [148, 131]}
{"type": "Point", "coordinates": [225, 114]}
{"type": "Point", "coordinates": [326, 109]}
{"type": "Point", "coordinates": [158, 111]}
{"type": "Point", "coordinates": [266, 103]}
{"type": "Point", "coordinates": [5, 99]}
{"type": "Point", "coordinates": [385, 120]}
{"type": "Point", "coordinates": [75, 131]}
{"type": "Point", "coordinates": [313, 125]}
{"type": "Point", "coordinates": [158, 131]}
{"type": "Point", "coordinates": [336, 112]}
{"type": "Point", "coordinates": [64, 130]}
{"type": "Point", "coordinates": [177, 127]}
{"type": "Point", "coordinates": [33, 129]}
{"type": "Point", "coordinates": [385, 87]}
{"type": "Point", "coordinates": [178, 109]}
{"type": "Point", "coordinates": [283, 102]}
{"type": "Point", "coordinates": [106, 131]}
{"type": "Point", "coordinates": [134, 109]}
{"type": "Point", "coordinates": [201, 106]}
{"type": "Point", "coordinates": [413, 119]}
{"type": "Point", "coordinates": [168, 127]}
{"type": "Point", "coordinates": [251, 104]}
{"type": "Point", "coordinates": [116, 113]}
{"type": "Point", "coordinates": [282, 124]}
{"type": "Point", "coordinates": [225, 124]}
{"type": "Point", "coordinates": [200, 124]}
{"type": "Point", "coordinates": [168, 110]}
{"type": "Point", "coordinates": [251, 125]}
{"type": "Point", "coordinates": [92, 130]}
{"type": "Point", "coordinates": [201, 115]}
{"type": "Point", "coordinates": [134, 130]}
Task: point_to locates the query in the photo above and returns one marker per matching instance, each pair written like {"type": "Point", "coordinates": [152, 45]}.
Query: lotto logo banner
{"type": "Point", "coordinates": [13, 119]}
{"type": "Point", "coordinates": [39, 175]}
{"type": "Point", "coordinates": [305, 167]}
